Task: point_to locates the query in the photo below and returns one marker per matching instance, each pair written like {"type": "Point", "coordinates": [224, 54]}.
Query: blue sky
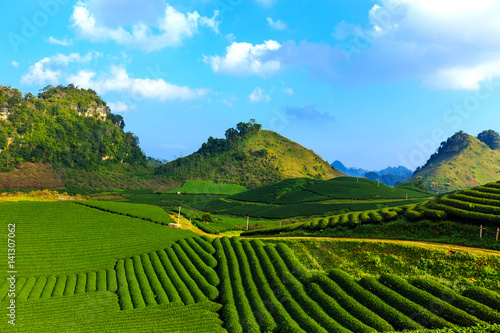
{"type": "Point", "coordinates": [370, 83]}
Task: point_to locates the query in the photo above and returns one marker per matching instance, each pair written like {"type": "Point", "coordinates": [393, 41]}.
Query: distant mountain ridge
{"type": "Point", "coordinates": [462, 161]}
{"type": "Point", "coordinates": [389, 176]}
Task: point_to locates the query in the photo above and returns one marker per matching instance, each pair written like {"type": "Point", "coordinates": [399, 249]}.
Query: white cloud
{"type": "Point", "coordinates": [52, 69]}
{"type": "Point", "coordinates": [172, 28]}
{"type": "Point", "coordinates": [14, 63]}
{"type": "Point", "coordinates": [276, 25]}
{"type": "Point", "coordinates": [120, 107]}
{"type": "Point", "coordinates": [246, 59]}
{"type": "Point", "coordinates": [446, 44]}
{"type": "Point", "coordinates": [259, 95]}
{"type": "Point", "coordinates": [118, 80]}
{"type": "Point", "coordinates": [288, 91]}
{"type": "Point", "coordinates": [63, 42]}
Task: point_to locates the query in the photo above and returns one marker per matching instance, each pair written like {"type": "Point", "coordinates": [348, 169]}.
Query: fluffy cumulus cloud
{"type": "Point", "coordinates": [259, 95]}
{"type": "Point", "coordinates": [53, 69]}
{"type": "Point", "coordinates": [446, 44]}
{"type": "Point", "coordinates": [120, 107]}
{"type": "Point", "coordinates": [276, 25]}
{"type": "Point", "coordinates": [118, 80]}
{"type": "Point", "coordinates": [171, 29]}
{"type": "Point", "coordinates": [57, 69]}
{"type": "Point", "coordinates": [247, 59]}
{"type": "Point", "coordinates": [62, 42]}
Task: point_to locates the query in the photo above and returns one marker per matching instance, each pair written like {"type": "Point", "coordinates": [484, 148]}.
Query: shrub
{"type": "Point", "coordinates": [322, 224]}
{"type": "Point", "coordinates": [166, 283]}
{"type": "Point", "coordinates": [200, 281]}
{"type": "Point", "coordinates": [248, 321]}
{"type": "Point", "coordinates": [388, 214]}
{"type": "Point", "coordinates": [81, 283]}
{"type": "Point", "coordinates": [262, 315]}
{"type": "Point", "coordinates": [333, 221]}
{"type": "Point", "coordinates": [310, 307]}
{"type": "Point", "coordinates": [123, 290]}
{"type": "Point", "coordinates": [159, 294]}
{"type": "Point", "coordinates": [102, 281]}
{"type": "Point", "coordinates": [229, 311]}
{"type": "Point", "coordinates": [177, 281]}
{"type": "Point", "coordinates": [111, 280]}
{"type": "Point", "coordinates": [376, 217]}
{"type": "Point", "coordinates": [23, 293]}
{"type": "Point", "coordinates": [415, 311]}
{"type": "Point", "coordinates": [207, 258]}
{"type": "Point", "coordinates": [430, 302]}
{"type": "Point", "coordinates": [205, 244]}
{"type": "Point", "coordinates": [37, 290]}
{"type": "Point", "coordinates": [91, 282]}
{"type": "Point", "coordinates": [58, 288]}
{"type": "Point", "coordinates": [191, 285]}
{"type": "Point", "coordinates": [293, 264]}
{"type": "Point", "coordinates": [142, 279]}
{"type": "Point", "coordinates": [133, 285]}
{"type": "Point", "coordinates": [484, 296]}
{"type": "Point", "coordinates": [364, 217]}
{"type": "Point", "coordinates": [333, 309]}
{"type": "Point", "coordinates": [291, 305]}
{"type": "Point", "coordinates": [70, 285]}
{"type": "Point", "coordinates": [352, 306]}
{"type": "Point", "coordinates": [283, 319]}
{"type": "Point", "coordinates": [395, 318]}
{"type": "Point", "coordinates": [474, 308]}
{"type": "Point", "coordinates": [49, 287]}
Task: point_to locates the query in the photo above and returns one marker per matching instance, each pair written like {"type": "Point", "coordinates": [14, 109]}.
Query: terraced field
{"type": "Point", "coordinates": [163, 279]}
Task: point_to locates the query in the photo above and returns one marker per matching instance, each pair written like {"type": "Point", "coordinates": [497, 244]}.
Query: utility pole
{"type": "Point", "coordinates": [179, 217]}
{"type": "Point", "coordinates": [248, 218]}
{"type": "Point", "coordinates": [498, 232]}
{"type": "Point", "coordinates": [406, 196]}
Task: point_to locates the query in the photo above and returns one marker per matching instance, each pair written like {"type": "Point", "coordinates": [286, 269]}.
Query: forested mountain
{"type": "Point", "coordinates": [64, 126]}
{"type": "Point", "coordinates": [251, 157]}
{"type": "Point", "coordinates": [462, 161]}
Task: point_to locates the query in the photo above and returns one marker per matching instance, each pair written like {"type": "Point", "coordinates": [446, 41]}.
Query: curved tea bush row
{"type": "Point", "coordinates": [216, 227]}
{"type": "Point", "coordinates": [49, 287]}
{"type": "Point", "coordinates": [159, 293]}
{"type": "Point", "coordinates": [144, 212]}
{"type": "Point", "coordinates": [394, 317]}
{"type": "Point", "coordinates": [273, 303]}
{"type": "Point", "coordinates": [262, 315]}
{"type": "Point", "coordinates": [229, 310]}
{"type": "Point", "coordinates": [275, 230]}
{"type": "Point", "coordinates": [485, 209]}
{"type": "Point", "coordinates": [332, 308]}
{"type": "Point", "coordinates": [467, 215]}
{"type": "Point", "coordinates": [352, 306]}
{"type": "Point", "coordinates": [310, 307]}
{"type": "Point", "coordinates": [123, 290]}
{"type": "Point", "coordinates": [37, 290]}
{"type": "Point", "coordinates": [466, 197]}
{"type": "Point", "coordinates": [133, 285]}
{"type": "Point", "coordinates": [484, 296]}
{"type": "Point", "coordinates": [176, 279]}
{"type": "Point", "coordinates": [429, 301]}
{"type": "Point", "coordinates": [446, 294]}
{"type": "Point", "coordinates": [91, 282]}
{"type": "Point", "coordinates": [58, 288]}
{"type": "Point", "coordinates": [196, 265]}
{"type": "Point", "coordinates": [205, 244]}
{"type": "Point", "coordinates": [147, 293]}
{"type": "Point", "coordinates": [293, 264]}
{"type": "Point", "coordinates": [415, 311]}
{"type": "Point", "coordinates": [166, 283]}
{"type": "Point", "coordinates": [70, 285]}
{"type": "Point", "coordinates": [247, 318]}
{"type": "Point", "coordinates": [204, 252]}
{"type": "Point", "coordinates": [200, 282]}
{"type": "Point", "coordinates": [26, 289]}
{"type": "Point", "coordinates": [291, 304]}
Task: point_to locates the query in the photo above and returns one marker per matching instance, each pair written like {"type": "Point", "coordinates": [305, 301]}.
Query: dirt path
{"type": "Point", "coordinates": [421, 244]}
{"type": "Point", "coordinates": [186, 224]}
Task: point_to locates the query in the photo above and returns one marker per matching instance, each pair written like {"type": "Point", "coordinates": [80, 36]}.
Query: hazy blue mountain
{"type": "Point", "coordinates": [390, 176]}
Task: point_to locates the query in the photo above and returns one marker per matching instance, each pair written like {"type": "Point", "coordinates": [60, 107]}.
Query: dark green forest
{"type": "Point", "coordinates": [65, 126]}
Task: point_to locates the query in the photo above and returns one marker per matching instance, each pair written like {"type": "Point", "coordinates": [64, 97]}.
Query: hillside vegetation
{"type": "Point", "coordinates": [462, 161]}
{"type": "Point", "coordinates": [250, 157]}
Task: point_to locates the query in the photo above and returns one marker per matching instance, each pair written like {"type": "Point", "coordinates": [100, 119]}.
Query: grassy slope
{"type": "Point", "coordinates": [456, 268]}
{"type": "Point", "coordinates": [292, 160]}
{"type": "Point", "coordinates": [475, 165]}
{"type": "Point", "coordinates": [55, 238]}
{"type": "Point", "coordinates": [30, 176]}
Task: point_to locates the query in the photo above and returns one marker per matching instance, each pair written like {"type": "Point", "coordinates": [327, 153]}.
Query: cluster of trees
{"type": "Point", "coordinates": [452, 146]}
{"type": "Point", "coordinates": [52, 127]}
{"type": "Point", "coordinates": [233, 137]}
{"type": "Point", "coordinates": [490, 138]}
